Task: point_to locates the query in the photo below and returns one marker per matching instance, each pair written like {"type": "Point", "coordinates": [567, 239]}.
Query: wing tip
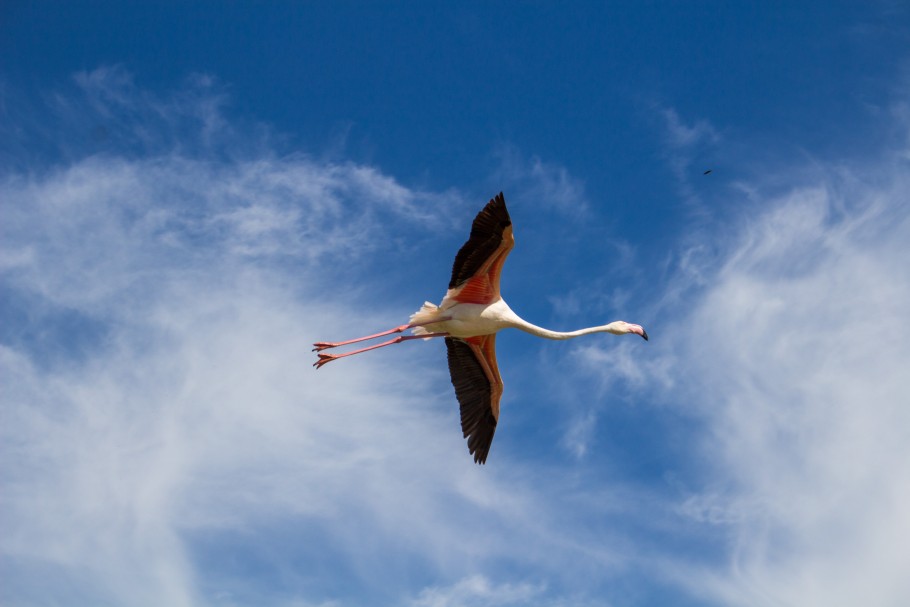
{"type": "Point", "coordinates": [478, 421]}
{"type": "Point", "coordinates": [490, 228]}
{"type": "Point", "coordinates": [499, 201]}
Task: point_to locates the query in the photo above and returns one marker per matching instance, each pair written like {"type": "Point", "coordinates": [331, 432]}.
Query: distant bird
{"type": "Point", "coordinates": [708, 172]}
{"type": "Point", "coordinates": [469, 316]}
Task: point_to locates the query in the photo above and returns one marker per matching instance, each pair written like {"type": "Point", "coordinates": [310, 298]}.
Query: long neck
{"type": "Point", "coordinates": [527, 327]}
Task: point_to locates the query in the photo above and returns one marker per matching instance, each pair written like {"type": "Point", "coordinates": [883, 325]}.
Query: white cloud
{"type": "Point", "coordinates": [682, 136]}
{"type": "Point", "coordinates": [795, 358]}
{"type": "Point", "coordinates": [548, 186]}
{"type": "Point", "coordinates": [689, 150]}
{"type": "Point", "coordinates": [195, 406]}
{"type": "Point", "coordinates": [478, 591]}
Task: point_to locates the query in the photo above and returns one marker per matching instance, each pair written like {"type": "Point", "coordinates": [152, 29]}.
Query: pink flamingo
{"type": "Point", "coordinates": [469, 316]}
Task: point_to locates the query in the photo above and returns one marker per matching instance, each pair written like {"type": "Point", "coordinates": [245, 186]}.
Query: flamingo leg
{"type": "Point", "coordinates": [326, 358]}
{"type": "Point", "coordinates": [322, 345]}
{"type": "Point", "coordinates": [319, 346]}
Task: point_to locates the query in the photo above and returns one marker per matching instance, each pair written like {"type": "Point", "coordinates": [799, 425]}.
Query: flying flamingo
{"type": "Point", "coordinates": [469, 316]}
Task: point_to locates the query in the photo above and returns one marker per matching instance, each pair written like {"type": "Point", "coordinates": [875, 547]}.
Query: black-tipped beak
{"type": "Point", "coordinates": [644, 334]}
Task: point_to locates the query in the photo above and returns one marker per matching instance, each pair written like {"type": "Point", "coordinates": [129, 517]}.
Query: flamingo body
{"type": "Point", "coordinates": [469, 316]}
{"type": "Point", "coordinates": [465, 320]}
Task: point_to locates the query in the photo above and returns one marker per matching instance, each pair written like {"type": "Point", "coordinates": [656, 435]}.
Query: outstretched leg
{"type": "Point", "coordinates": [323, 345]}
{"type": "Point", "coordinates": [319, 346]}
{"type": "Point", "coordinates": [326, 358]}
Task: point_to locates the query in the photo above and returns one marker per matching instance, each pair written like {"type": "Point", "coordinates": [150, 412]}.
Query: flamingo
{"type": "Point", "coordinates": [470, 315]}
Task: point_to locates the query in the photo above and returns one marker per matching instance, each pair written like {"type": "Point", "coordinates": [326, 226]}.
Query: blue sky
{"type": "Point", "coordinates": [190, 195]}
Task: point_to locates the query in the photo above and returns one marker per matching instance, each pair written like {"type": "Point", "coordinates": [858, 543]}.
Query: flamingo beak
{"type": "Point", "coordinates": [638, 330]}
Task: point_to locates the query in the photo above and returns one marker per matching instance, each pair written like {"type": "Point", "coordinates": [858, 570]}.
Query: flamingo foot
{"type": "Point", "coordinates": [323, 359]}
{"type": "Point", "coordinates": [319, 346]}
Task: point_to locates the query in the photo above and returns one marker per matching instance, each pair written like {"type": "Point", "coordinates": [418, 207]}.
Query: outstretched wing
{"type": "Point", "coordinates": [478, 388]}
{"type": "Point", "coordinates": [475, 273]}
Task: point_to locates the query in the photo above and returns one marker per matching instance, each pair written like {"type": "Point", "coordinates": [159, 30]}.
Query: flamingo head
{"type": "Point", "coordinates": [621, 327]}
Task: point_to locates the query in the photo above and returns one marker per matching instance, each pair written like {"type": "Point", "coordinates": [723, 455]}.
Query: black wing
{"type": "Point", "coordinates": [486, 237]}
{"type": "Point", "coordinates": [474, 393]}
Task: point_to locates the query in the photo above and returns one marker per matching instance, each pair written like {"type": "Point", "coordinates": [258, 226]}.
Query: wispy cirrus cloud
{"type": "Point", "coordinates": [477, 590]}
{"type": "Point", "coordinates": [788, 354]}
{"type": "Point", "coordinates": [806, 411]}
{"type": "Point", "coordinates": [686, 142]}
{"type": "Point", "coordinates": [176, 387]}
{"type": "Point", "coordinates": [547, 185]}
